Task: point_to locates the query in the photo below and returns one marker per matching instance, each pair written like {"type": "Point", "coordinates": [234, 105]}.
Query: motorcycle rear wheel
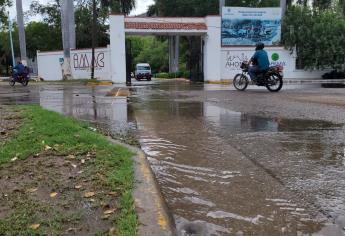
{"type": "Point", "coordinates": [274, 83]}
{"type": "Point", "coordinates": [12, 82]}
{"type": "Point", "coordinates": [241, 82]}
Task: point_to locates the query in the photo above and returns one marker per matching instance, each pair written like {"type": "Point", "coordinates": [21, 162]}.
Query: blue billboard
{"type": "Point", "coordinates": [248, 26]}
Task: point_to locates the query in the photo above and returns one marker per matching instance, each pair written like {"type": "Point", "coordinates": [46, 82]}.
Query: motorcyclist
{"type": "Point", "coordinates": [19, 69]}
{"type": "Point", "coordinates": [259, 61]}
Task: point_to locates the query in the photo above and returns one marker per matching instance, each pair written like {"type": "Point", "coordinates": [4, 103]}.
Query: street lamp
{"type": "Point", "coordinates": [11, 40]}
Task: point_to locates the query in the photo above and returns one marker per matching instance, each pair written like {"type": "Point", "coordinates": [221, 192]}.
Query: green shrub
{"type": "Point", "coordinates": [179, 74]}
{"type": "Point", "coordinates": [162, 75]}
{"type": "Point", "coordinates": [317, 36]}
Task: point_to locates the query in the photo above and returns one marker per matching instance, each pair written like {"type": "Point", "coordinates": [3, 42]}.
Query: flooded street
{"type": "Point", "coordinates": [228, 173]}
{"type": "Point", "coordinates": [228, 163]}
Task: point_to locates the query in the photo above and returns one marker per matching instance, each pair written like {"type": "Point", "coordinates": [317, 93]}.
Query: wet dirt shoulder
{"type": "Point", "coordinates": [59, 178]}
{"type": "Point", "coordinates": [10, 119]}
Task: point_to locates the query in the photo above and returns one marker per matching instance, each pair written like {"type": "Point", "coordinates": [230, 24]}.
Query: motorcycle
{"type": "Point", "coordinates": [272, 79]}
{"type": "Point", "coordinates": [22, 78]}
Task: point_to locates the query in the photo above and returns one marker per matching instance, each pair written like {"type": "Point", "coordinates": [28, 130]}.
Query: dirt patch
{"type": "Point", "coordinates": [58, 193]}
{"type": "Point", "coordinates": [9, 120]}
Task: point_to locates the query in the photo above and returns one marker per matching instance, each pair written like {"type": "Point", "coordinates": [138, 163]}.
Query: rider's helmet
{"type": "Point", "coordinates": [259, 46]}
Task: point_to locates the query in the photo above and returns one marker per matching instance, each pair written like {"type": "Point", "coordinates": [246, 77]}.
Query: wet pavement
{"type": "Point", "coordinates": [228, 163]}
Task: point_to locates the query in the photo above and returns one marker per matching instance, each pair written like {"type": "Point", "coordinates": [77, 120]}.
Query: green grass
{"type": "Point", "coordinates": [68, 136]}
{"type": "Point", "coordinates": [27, 211]}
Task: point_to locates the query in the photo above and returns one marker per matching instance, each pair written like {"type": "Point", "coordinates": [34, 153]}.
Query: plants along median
{"type": "Point", "coordinates": [69, 164]}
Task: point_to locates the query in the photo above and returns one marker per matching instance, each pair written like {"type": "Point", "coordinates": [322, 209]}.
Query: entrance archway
{"type": "Point", "coordinates": [207, 29]}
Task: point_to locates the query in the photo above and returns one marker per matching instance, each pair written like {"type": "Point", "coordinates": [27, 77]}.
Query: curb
{"type": "Point", "coordinates": [222, 82]}
{"type": "Point", "coordinates": [315, 81]}
{"type": "Point", "coordinates": [99, 83]}
{"type": "Point", "coordinates": [151, 208]}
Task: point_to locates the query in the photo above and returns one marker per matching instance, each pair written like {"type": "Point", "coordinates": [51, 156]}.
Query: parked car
{"type": "Point", "coordinates": [143, 71]}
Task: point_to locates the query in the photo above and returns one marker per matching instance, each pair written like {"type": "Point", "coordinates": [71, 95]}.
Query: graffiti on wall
{"type": "Point", "coordinates": [82, 61]}
{"type": "Point", "coordinates": [234, 60]}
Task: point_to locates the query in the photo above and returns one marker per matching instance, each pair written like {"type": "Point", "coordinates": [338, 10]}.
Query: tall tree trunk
{"type": "Point", "coordinates": [283, 7]}
{"type": "Point", "coordinates": [71, 25]}
{"type": "Point", "coordinates": [94, 21]}
{"type": "Point", "coordinates": [221, 5]}
{"type": "Point", "coordinates": [21, 31]}
{"type": "Point", "coordinates": [68, 36]}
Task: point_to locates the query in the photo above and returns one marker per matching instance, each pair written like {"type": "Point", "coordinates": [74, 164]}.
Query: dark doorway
{"type": "Point", "coordinates": [196, 58]}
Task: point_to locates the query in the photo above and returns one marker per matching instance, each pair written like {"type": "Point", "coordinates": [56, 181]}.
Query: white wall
{"type": "Point", "coordinates": [233, 56]}
{"type": "Point", "coordinates": [48, 64]}
{"type": "Point", "coordinates": [219, 63]}
{"type": "Point", "coordinates": [212, 50]}
{"type": "Point", "coordinates": [49, 67]}
{"type": "Point", "coordinates": [81, 63]}
{"type": "Point", "coordinates": [118, 49]}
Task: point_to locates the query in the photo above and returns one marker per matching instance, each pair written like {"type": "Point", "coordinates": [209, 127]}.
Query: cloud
{"type": "Point", "coordinates": [142, 6]}
{"type": "Point", "coordinates": [26, 7]}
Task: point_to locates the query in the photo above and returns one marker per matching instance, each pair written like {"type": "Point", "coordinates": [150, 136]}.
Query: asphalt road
{"type": "Point", "coordinates": [228, 162]}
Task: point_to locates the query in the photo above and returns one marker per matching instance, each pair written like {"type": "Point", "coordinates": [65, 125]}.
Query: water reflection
{"type": "Point", "coordinates": [221, 172]}
{"type": "Point", "coordinates": [90, 104]}
{"type": "Point", "coordinates": [237, 173]}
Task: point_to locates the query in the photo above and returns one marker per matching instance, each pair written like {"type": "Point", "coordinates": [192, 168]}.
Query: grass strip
{"type": "Point", "coordinates": [42, 129]}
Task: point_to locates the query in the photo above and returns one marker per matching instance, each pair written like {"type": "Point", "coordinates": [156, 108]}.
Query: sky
{"type": "Point", "coordinates": [141, 7]}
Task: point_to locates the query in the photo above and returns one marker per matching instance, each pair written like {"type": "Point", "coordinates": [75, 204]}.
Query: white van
{"type": "Point", "coordinates": [143, 71]}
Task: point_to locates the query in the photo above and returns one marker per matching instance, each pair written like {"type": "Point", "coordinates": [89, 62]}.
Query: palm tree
{"type": "Point", "coordinates": [3, 5]}
{"type": "Point", "coordinates": [119, 6]}
{"type": "Point", "coordinates": [68, 35]}
{"type": "Point", "coordinates": [21, 31]}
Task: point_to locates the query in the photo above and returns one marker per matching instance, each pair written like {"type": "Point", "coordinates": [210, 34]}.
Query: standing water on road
{"type": "Point", "coordinates": [227, 173]}
{"type": "Point", "coordinates": [221, 172]}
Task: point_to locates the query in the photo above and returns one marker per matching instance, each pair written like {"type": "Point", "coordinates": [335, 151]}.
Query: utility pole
{"type": "Point", "coordinates": [21, 31]}
{"type": "Point", "coordinates": [94, 21]}
{"type": "Point", "coordinates": [11, 39]}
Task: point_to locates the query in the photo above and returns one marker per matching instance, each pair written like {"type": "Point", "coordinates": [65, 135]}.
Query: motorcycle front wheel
{"type": "Point", "coordinates": [274, 83]}
{"type": "Point", "coordinates": [12, 82]}
{"type": "Point", "coordinates": [241, 82]}
{"type": "Point", "coordinates": [25, 83]}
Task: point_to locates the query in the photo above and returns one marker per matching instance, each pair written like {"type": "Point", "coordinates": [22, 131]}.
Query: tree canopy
{"type": "Point", "coordinates": [3, 5]}
{"type": "Point", "coordinates": [314, 28]}
{"type": "Point", "coordinates": [317, 36]}
{"type": "Point", "coordinates": [201, 7]}
{"type": "Point", "coordinates": [119, 6]}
